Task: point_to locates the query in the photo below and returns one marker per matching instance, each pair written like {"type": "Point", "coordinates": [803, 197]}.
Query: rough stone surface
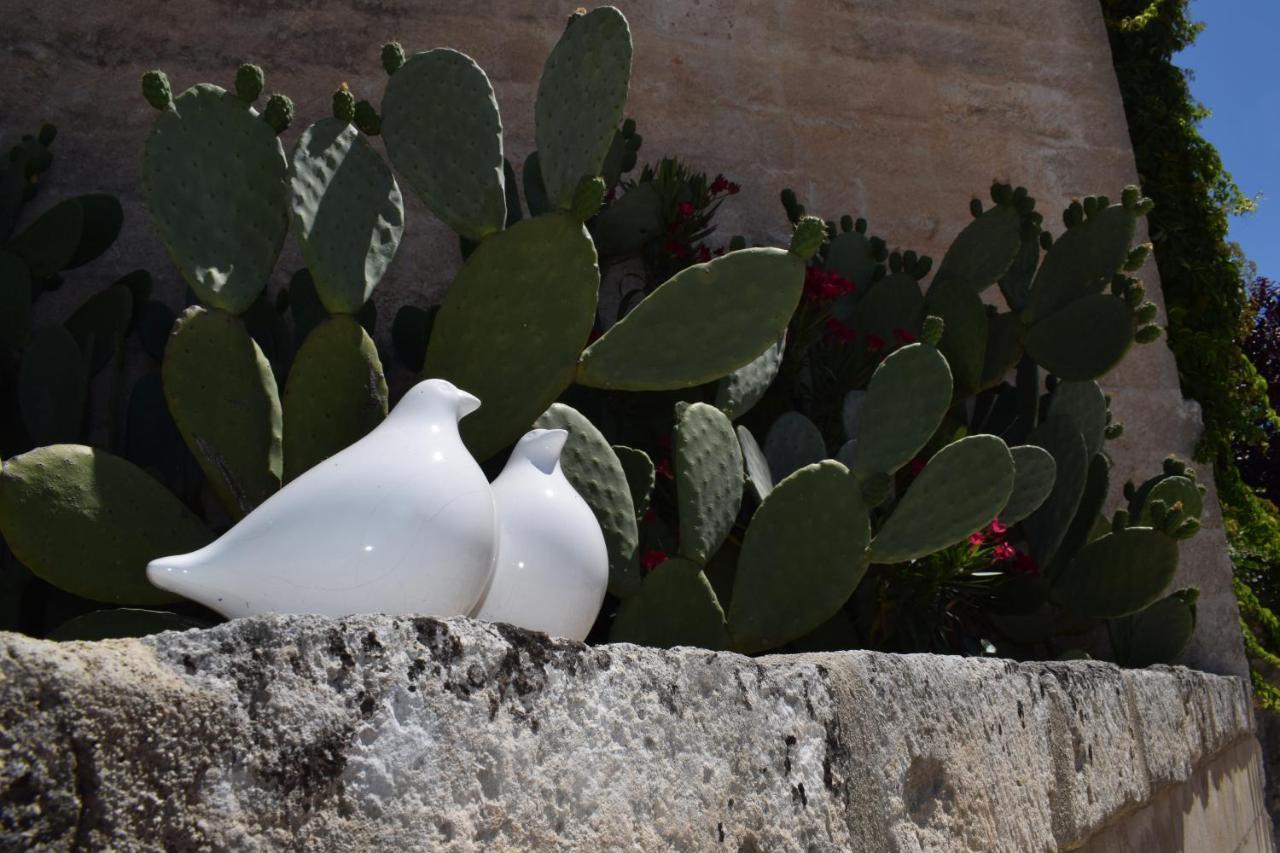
{"type": "Point", "coordinates": [388, 733]}
{"type": "Point", "coordinates": [898, 112]}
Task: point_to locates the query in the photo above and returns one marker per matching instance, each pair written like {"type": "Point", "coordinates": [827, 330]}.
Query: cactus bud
{"type": "Point", "coordinates": [628, 127]}
{"type": "Point", "coordinates": [249, 82]}
{"type": "Point", "coordinates": [876, 489]}
{"type": "Point", "coordinates": [574, 16]}
{"type": "Point", "coordinates": [1174, 467]}
{"type": "Point", "coordinates": [1119, 521]}
{"type": "Point", "coordinates": [1046, 240]}
{"type": "Point", "coordinates": [1090, 206]}
{"type": "Point", "coordinates": [392, 56]}
{"type": "Point", "coordinates": [1103, 202]}
{"type": "Point", "coordinates": [1186, 528]}
{"type": "Point", "coordinates": [46, 134]}
{"type": "Point", "coordinates": [1146, 312]}
{"type": "Point", "coordinates": [588, 195]}
{"type": "Point", "coordinates": [1129, 490]}
{"type": "Point", "coordinates": [1073, 215]}
{"type": "Point", "coordinates": [923, 265]}
{"type": "Point", "coordinates": [895, 262]}
{"type": "Point", "coordinates": [278, 112]}
{"type": "Point", "coordinates": [634, 141]}
{"type": "Point", "coordinates": [879, 249]}
{"type": "Point", "coordinates": [737, 243]}
{"type": "Point", "coordinates": [155, 88]}
{"type": "Point", "coordinates": [1113, 431]}
{"type": "Point", "coordinates": [1129, 196]}
{"type": "Point", "coordinates": [367, 119]}
{"type": "Point", "coordinates": [1001, 193]}
{"type": "Point", "coordinates": [846, 223]}
{"type": "Point", "coordinates": [1144, 207]}
{"type": "Point", "coordinates": [860, 225]}
{"type": "Point", "coordinates": [1120, 284]}
{"type": "Point", "coordinates": [1135, 294]}
{"type": "Point", "coordinates": [1137, 257]}
{"type": "Point", "coordinates": [1159, 513]}
{"type": "Point", "coordinates": [831, 230]}
{"type": "Point", "coordinates": [932, 329]}
{"type": "Point", "coordinates": [975, 207]}
{"type": "Point", "coordinates": [808, 237]}
{"type": "Point", "coordinates": [1148, 333]}
{"type": "Point", "coordinates": [1019, 195]}
{"type": "Point", "coordinates": [1051, 383]}
{"type": "Point", "coordinates": [344, 104]}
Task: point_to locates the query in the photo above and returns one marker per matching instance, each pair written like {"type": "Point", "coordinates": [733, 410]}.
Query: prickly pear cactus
{"type": "Point", "coordinates": [217, 187]}
{"type": "Point", "coordinates": [336, 394]}
{"type": "Point", "coordinates": [89, 522]}
{"type": "Point", "coordinates": [53, 381]}
{"type": "Point", "coordinates": [738, 392]}
{"type": "Point", "coordinates": [961, 489]}
{"type": "Point", "coordinates": [1117, 574]}
{"type": "Point", "coordinates": [756, 464]}
{"type": "Point", "coordinates": [698, 315]}
{"type": "Point", "coordinates": [793, 441]}
{"type": "Point", "coordinates": [801, 559]}
{"type": "Point", "coordinates": [580, 100]}
{"type": "Point", "coordinates": [675, 606]}
{"type": "Point", "coordinates": [907, 398]}
{"type": "Point", "coordinates": [589, 463]}
{"type": "Point", "coordinates": [1034, 473]}
{"type": "Point", "coordinates": [223, 397]}
{"type": "Point", "coordinates": [708, 480]}
{"type": "Point", "coordinates": [443, 133]}
{"type": "Point", "coordinates": [985, 249]}
{"type": "Point", "coordinates": [347, 213]}
{"type": "Point", "coordinates": [513, 324]}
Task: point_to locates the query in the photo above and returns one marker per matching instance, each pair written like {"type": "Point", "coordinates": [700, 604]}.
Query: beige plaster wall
{"type": "Point", "coordinates": [897, 111]}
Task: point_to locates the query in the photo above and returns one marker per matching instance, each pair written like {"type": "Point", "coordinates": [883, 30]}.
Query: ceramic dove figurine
{"type": "Point", "coordinates": [401, 522]}
{"type": "Point", "coordinates": [552, 566]}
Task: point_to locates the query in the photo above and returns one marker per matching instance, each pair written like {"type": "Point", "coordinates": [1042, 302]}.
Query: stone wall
{"type": "Point", "coordinates": [377, 733]}
{"type": "Point", "coordinates": [896, 111]}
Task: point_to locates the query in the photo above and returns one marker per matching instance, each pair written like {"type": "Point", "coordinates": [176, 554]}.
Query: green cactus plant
{"type": "Point", "coordinates": [709, 479]}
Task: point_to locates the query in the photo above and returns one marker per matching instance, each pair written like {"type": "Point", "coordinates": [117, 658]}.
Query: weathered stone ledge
{"type": "Point", "coordinates": [383, 733]}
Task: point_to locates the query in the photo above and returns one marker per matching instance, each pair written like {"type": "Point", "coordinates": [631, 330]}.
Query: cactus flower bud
{"type": "Point", "coordinates": [810, 234]}
{"type": "Point", "coordinates": [931, 330]}
{"type": "Point", "coordinates": [392, 56]}
{"type": "Point", "coordinates": [249, 82]}
{"type": "Point", "coordinates": [1113, 431]}
{"type": "Point", "coordinates": [344, 104]}
{"type": "Point", "coordinates": [278, 112]}
{"type": "Point", "coordinates": [155, 88]}
{"type": "Point", "coordinates": [1148, 333]}
{"type": "Point", "coordinates": [1137, 257]}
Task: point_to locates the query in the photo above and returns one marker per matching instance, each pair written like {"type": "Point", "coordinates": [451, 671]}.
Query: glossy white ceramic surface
{"type": "Point", "coordinates": [401, 522]}
{"type": "Point", "coordinates": [552, 566]}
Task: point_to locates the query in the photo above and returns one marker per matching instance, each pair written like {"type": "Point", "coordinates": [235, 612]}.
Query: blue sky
{"type": "Point", "coordinates": [1237, 77]}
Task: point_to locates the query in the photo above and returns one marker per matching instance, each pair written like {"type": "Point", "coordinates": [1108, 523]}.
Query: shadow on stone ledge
{"type": "Point", "coordinates": [376, 732]}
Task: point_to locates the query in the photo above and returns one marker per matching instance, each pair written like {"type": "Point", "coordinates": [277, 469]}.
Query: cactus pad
{"type": "Point", "coordinates": [708, 479]}
{"type": "Point", "coordinates": [894, 303]}
{"type": "Point", "coordinates": [711, 319]}
{"type": "Point", "coordinates": [793, 442]}
{"type": "Point", "coordinates": [1117, 574]}
{"type": "Point", "coordinates": [1034, 473]}
{"type": "Point", "coordinates": [217, 186]}
{"type": "Point", "coordinates": [907, 398]}
{"type": "Point", "coordinates": [100, 324]}
{"type": "Point", "coordinates": [336, 394]}
{"type": "Point", "coordinates": [961, 489]}
{"type": "Point", "coordinates": [15, 302]}
{"type": "Point", "coordinates": [593, 469]}
{"type": "Point", "coordinates": [52, 383]}
{"type": "Point", "coordinates": [1084, 404]}
{"type": "Point", "coordinates": [1046, 527]}
{"type": "Point", "coordinates": [676, 606]}
{"type": "Point", "coordinates": [347, 211]}
{"type": "Point", "coordinates": [855, 257]}
{"type": "Point", "coordinates": [121, 622]}
{"type": "Point", "coordinates": [756, 466]}
{"type": "Point", "coordinates": [1174, 490]}
{"type": "Point", "coordinates": [1085, 339]}
{"type": "Point", "coordinates": [222, 395]}
{"type": "Point", "coordinates": [69, 234]}
{"type": "Point", "coordinates": [1158, 633]}
{"type": "Point", "coordinates": [983, 251]}
{"type": "Point", "coordinates": [580, 100]}
{"type": "Point", "coordinates": [442, 130]}
{"type": "Point", "coordinates": [743, 388]}
{"type": "Point", "coordinates": [1082, 261]}
{"type": "Point", "coordinates": [529, 293]}
{"type": "Point", "coordinates": [641, 478]}
{"type": "Point", "coordinates": [964, 333]}
{"type": "Point", "coordinates": [802, 557]}
{"type": "Point", "coordinates": [89, 522]}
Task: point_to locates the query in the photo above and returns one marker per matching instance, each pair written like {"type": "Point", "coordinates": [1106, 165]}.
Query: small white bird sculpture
{"type": "Point", "coordinates": [401, 522]}
{"type": "Point", "coordinates": [552, 566]}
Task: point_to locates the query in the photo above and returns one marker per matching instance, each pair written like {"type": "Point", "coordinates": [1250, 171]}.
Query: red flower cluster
{"type": "Point", "coordinates": [664, 468]}
{"type": "Point", "coordinates": [875, 343]}
{"type": "Point", "coordinates": [824, 285]}
{"type": "Point", "coordinates": [652, 558]}
{"type": "Point", "coordinates": [839, 332]}
{"type": "Point", "coordinates": [723, 185]}
{"type": "Point", "coordinates": [1007, 557]}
